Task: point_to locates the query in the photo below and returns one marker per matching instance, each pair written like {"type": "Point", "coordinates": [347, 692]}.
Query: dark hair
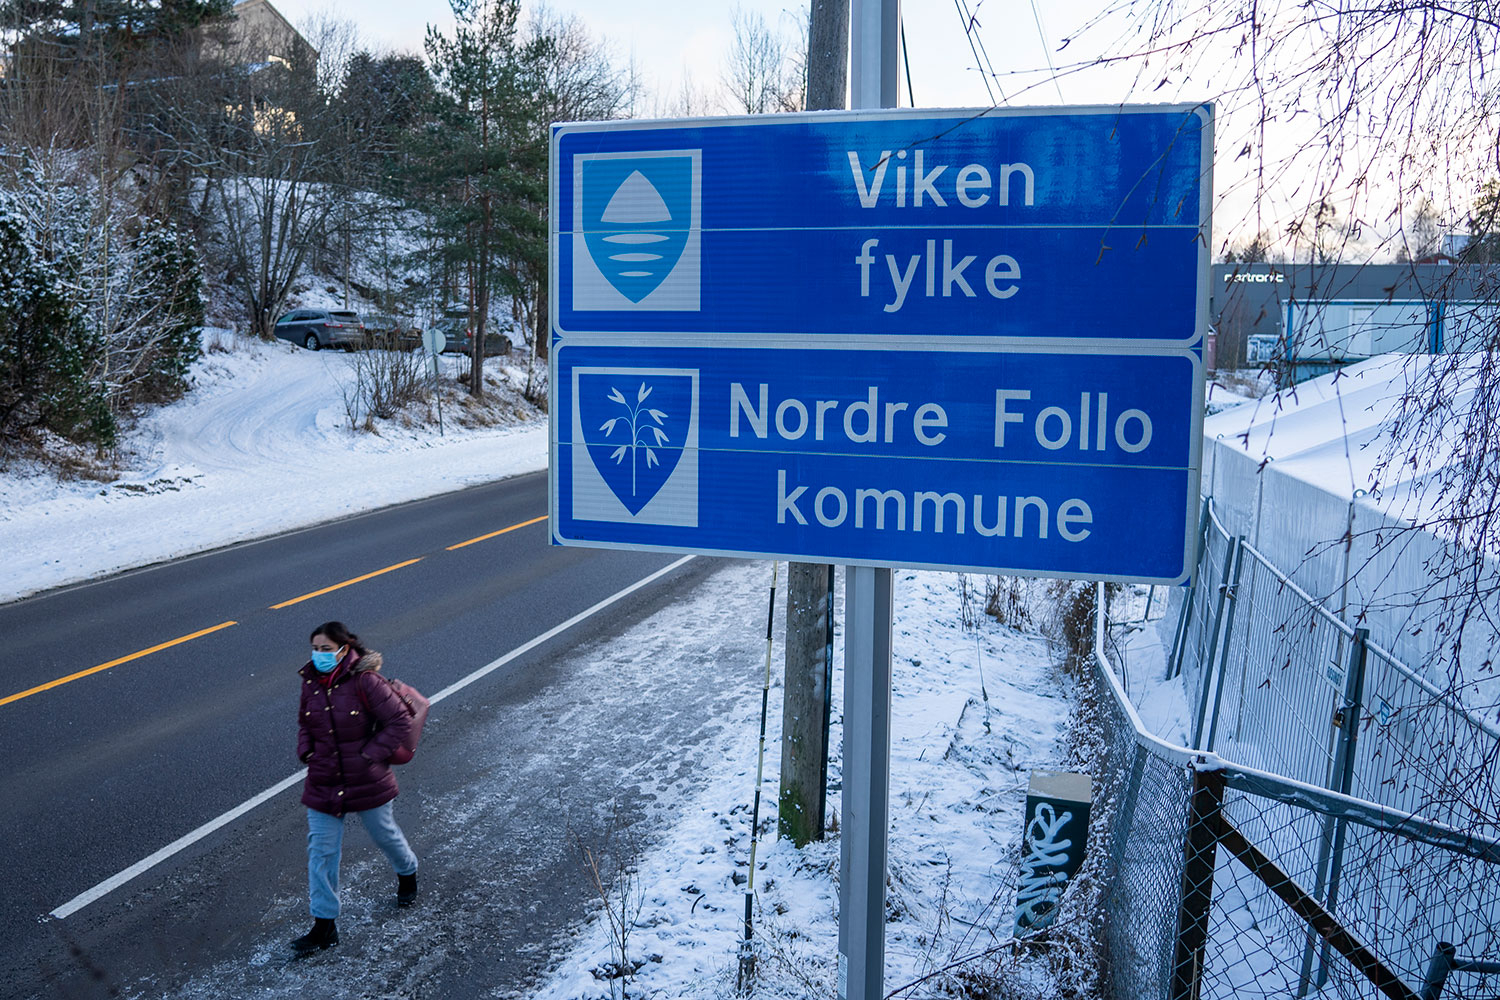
{"type": "Point", "coordinates": [339, 633]}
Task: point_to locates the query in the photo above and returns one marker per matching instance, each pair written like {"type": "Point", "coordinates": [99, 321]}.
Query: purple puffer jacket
{"type": "Point", "coordinates": [347, 769]}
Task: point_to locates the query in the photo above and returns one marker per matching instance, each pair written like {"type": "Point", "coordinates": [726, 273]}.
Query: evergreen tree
{"type": "Point", "coordinates": [73, 29]}
{"type": "Point", "coordinates": [383, 99]}
{"type": "Point", "coordinates": [480, 164]}
{"type": "Point", "coordinates": [45, 348]}
{"type": "Point", "coordinates": [170, 274]}
{"type": "Point", "coordinates": [1484, 225]}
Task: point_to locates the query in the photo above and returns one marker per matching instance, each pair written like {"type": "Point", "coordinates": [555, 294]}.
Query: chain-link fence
{"type": "Point", "coordinates": [1334, 834]}
{"type": "Point", "coordinates": [1277, 681]}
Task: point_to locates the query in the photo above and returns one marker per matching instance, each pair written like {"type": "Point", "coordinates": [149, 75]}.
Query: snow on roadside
{"type": "Point", "coordinates": [259, 446]}
{"type": "Point", "coordinates": [959, 774]}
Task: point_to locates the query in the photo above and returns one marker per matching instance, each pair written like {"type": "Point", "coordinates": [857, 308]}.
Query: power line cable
{"type": "Point", "coordinates": [906, 56]}
{"type": "Point", "coordinates": [968, 34]}
{"type": "Point", "coordinates": [1047, 50]}
{"type": "Point", "coordinates": [973, 23]}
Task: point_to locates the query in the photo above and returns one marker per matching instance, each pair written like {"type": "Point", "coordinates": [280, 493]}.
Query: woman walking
{"type": "Point", "coordinates": [349, 723]}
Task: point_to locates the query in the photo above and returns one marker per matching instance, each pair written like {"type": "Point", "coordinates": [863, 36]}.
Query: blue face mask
{"type": "Point", "coordinates": [324, 660]}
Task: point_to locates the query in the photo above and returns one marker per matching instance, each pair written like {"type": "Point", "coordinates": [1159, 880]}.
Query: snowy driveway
{"type": "Point", "coordinates": [260, 446]}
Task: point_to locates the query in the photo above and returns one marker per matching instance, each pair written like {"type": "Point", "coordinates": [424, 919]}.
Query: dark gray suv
{"type": "Point", "coordinates": [461, 337]}
{"type": "Point", "coordinates": [315, 328]}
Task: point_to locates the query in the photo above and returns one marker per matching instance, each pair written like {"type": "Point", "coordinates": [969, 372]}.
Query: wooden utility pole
{"type": "Point", "coordinates": [804, 727]}
{"type": "Point", "coordinates": [828, 55]}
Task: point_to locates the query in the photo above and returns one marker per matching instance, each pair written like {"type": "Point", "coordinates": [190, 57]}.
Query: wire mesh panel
{"type": "Point", "coordinates": [1283, 889]}
{"type": "Point", "coordinates": [1198, 642]}
{"type": "Point", "coordinates": [1283, 679]}
{"type": "Point", "coordinates": [1396, 899]}
{"type": "Point", "coordinates": [1404, 898]}
{"type": "Point", "coordinates": [1139, 822]}
{"type": "Point", "coordinates": [1301, 843]}
{"type": "Point", "coordinates": [1421, 753]}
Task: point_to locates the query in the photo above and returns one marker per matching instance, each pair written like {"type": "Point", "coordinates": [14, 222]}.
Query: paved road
{"type": "Point", "coordinates": [110, 766]}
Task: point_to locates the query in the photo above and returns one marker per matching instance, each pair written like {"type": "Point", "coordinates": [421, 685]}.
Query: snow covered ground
{"type": "Point", "coordinates": [959, 773]}
{"type": "Point", "coordinates": [261, 445]}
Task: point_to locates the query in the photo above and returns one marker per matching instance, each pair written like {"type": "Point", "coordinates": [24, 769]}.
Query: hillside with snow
{"type": "Point", "coordinates": [261, 444]}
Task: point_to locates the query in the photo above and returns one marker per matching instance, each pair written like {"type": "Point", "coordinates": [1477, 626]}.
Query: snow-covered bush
{"type": "Point", "coordinates": [45, 348]}
{"type": "Point", "coordinates": [132, 281]}
{"type": "Point", "coordinates": [169, 272]}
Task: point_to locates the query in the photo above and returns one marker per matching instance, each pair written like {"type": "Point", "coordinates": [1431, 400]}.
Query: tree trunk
{"type": "Point", "coordinates": [481, 318]}
{"type": "Point", "coordinates": [542, 332]}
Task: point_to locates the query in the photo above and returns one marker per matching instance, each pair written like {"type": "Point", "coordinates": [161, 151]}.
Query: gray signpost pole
{"type": "Point", "coordinates": [867, 758]}
{"type": "Point", "coordinates": [868, 607]}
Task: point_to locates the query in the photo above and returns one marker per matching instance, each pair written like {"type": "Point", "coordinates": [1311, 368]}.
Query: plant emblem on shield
{"type": "Point", "coordinates": [636, 426]}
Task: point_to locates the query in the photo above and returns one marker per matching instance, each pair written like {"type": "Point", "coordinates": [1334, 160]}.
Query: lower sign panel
{"type": "Point", "coordinates": [1023, 461]}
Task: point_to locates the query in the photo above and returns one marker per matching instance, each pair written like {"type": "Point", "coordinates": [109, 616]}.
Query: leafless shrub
{"type": "Point", "coordinates": [385, 380]}
{"type": "Point", "coordinates": [1011, 601]}
{"type": "Point", "coordinates": [1069, 625]}
{"type": "Point", "coordinates": [610, 857]}
{"type": "Point", "coordinates": [968, 603]}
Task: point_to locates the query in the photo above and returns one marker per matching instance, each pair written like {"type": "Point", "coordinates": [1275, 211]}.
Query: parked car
{"type": "Point", "coordinates": [461, 337]}
{"type": "Point", "coordinates": [318, 328]}
{"type": "Point", "coordinates": [398, 332]}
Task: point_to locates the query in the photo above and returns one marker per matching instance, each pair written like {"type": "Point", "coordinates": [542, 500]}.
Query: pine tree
{"type": "Point", "coordinates": [45, 348]}
{"type": "Point", "coordinates": [480, 163]}
{"type": "Point", "coordinates": [170, 275]}
{"type": "Point", "coordinates": [73, 29]}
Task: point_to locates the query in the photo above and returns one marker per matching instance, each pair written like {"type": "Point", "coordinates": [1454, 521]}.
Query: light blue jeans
{"type": "Point", "coordinates": [325, 843]}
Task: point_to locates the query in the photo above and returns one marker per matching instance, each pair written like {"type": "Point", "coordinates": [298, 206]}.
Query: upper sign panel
{"type": "Point", "coordinates": [1033, 224]}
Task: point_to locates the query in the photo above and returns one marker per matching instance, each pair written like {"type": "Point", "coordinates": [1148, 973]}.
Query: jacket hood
{"type": "Point", "coordinates": [370, 661]}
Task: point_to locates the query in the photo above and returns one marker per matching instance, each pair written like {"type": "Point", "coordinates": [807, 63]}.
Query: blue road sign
{"type": "Point", "coordinates": [1077, 464]}
{"type": "Point", "coordinates": [948, 339]}
{"type": "Point", "coordinates": [1035, 223]}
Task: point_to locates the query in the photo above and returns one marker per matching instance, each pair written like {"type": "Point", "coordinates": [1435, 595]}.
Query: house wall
{"type": "Point", "coordinates": [259, 33]}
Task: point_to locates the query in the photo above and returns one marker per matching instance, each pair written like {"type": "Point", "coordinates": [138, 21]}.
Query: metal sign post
{"type": "Point", "coordinates": [433, 342]}
{"type": "Point", "coordinates": [868, 606]}
{"type": "Point", "coordinates": [869, 599]}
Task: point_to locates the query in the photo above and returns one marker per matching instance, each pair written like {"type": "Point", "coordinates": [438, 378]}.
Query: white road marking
{"type": "Point", "coordinates": [114, 882]}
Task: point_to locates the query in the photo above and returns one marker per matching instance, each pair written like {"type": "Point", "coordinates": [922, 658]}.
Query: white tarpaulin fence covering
{"type": "Point", "coordinates": [1299, 475]}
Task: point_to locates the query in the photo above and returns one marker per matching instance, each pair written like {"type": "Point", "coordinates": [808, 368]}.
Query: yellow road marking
{"type": "Point", "coordinates": [223, 625]}
{"type": "Point", "coordinates": [336, 586]}
{"type": "Point", "coordinates": [502, 531]}
{"type": "Point", "coordinates": [112, 663]}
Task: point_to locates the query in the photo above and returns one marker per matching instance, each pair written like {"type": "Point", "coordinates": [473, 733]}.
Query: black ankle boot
{"type": "Point", "coordinates": [324, 934]}
{"type": "Point", "coordinates": [406, 889]}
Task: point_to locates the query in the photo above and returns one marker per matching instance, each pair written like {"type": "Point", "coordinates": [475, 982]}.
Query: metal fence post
{"type": "Point", "coordinates": [1354, 699]}
{"type": "Point", "coordinates": [1200, 850]}
{"type": "Point", "coordinates": [1179, 639]}
{"type": "Point", "coordinates": [1218, 647]}
{"type": "Point", "coordinates": [1331, 850]}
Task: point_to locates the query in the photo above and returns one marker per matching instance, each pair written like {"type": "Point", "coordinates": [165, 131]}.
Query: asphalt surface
{"type": "Point", "coordinates": [106, 768]}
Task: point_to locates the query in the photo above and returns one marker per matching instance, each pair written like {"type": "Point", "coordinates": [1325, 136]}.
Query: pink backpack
{"type": "Point", "coordinates": [416, 705]}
